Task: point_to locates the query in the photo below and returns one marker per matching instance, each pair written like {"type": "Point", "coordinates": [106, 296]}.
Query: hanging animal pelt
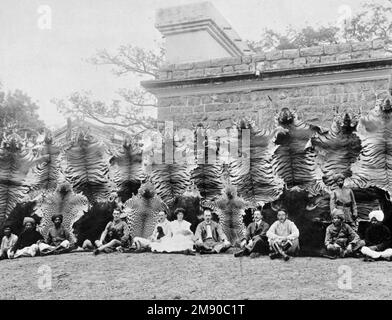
{"type": "Point", "coordinates": [43, 178]}
{"type": "Point", "coordinates": [337, 149]}
{"type": "Point", "coordinates": [230, 210]}
{"type": "Point", "coordinates": [374, 166]}
{"type": "Point", "coordinates": [61, 201]}
{"type": "Point", "coordinates": [252, 173]}
{"type": "Point", "coordinates": [209, 173]}
{"type": "Point", "coordinates": [87, 167]}
{"type": "Point", "coordinates": [15, 163]}
{"type": "Point", "coordinates": [126, 169]}
{"type": "Point", "coordinates": [293, 161]}
{"type": "Point", "coordinates": [142, 210]}
{"type": "Point", "coordinates": [173, 176]}
{"type": "Point", "coordinates": [190, 200]}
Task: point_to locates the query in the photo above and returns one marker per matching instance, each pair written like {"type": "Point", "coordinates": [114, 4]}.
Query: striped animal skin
{"type": "Point", "coordinates": [252, 173]}
{"type": "Point", "coordinates": [61, 201]}
{"type": "Point", "coordinates": [337, 149]}
{"type": "Point", "coordinates": [292, 160]}
{"type": "Point", "coordinates": [44, 177]}
{"type": "Point", "coordinates": [230, 210]}
{"type": "Point", "coordinates": [126, 170]}
{"type": "Point", "coordinates": [15, 163]}
{"type": "Point", "coordinates": [374, 166]}
{"type": "Point", "coordinates": [87, 167]}
{"type": "Point", "coordinates": [142, 211]}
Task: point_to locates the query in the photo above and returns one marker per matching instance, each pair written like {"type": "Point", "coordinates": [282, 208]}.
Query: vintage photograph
{"type": "Point", "coordinates": [195, 150]}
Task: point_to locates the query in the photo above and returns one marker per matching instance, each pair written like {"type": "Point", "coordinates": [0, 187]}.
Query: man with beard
{"type": "Point", "coordinates": [377, 238]}
{"type": "Point", "coordinates": [256, 242]}
{"type": "Point", "coordinates": [58, 240]}
{"type": "Point", "coordinates": [340, 239]}
{"type": "Point", "coordinates": [343, 198]}
{"type": "Point", "coordinates": [28, 241]}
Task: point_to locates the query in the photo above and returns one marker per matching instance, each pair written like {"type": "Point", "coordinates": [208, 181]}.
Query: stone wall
{"type": "Point", "coordinates": [317, 82]}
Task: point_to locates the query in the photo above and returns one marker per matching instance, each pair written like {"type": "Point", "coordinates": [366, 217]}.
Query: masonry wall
{"type": "Point", "coordinates": [338, 78]}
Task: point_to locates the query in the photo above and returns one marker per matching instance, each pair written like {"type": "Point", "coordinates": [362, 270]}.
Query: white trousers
{"type": "Point", "coordinates": [376, 254]}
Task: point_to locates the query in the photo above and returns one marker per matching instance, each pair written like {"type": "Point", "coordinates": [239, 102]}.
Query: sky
{"type": "Point", "coordinates": [47, 59]}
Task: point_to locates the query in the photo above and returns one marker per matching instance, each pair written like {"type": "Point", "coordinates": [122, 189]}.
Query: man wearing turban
{"type": "Point", "coordinates": [340, 239]}
{"type": "Point", "coordinates": [377, 238]}
{"type": "Point", "coordinates": [28, 241]}
{"type": "Point", "coordinates": [343, 198]}
{"type": "Point", "coordinates": [58, 239]}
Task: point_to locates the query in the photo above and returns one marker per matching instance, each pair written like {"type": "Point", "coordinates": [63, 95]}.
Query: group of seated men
{"type": "Point", "coordinates": [280, 240]}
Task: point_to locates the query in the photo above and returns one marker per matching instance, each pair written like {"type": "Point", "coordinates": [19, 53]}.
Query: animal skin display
{"type": "Point", "coordinates": [289, 167]}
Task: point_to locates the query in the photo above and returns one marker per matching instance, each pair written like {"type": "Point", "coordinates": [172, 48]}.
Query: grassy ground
{"type": "Point", "coordinates": [160, 276]}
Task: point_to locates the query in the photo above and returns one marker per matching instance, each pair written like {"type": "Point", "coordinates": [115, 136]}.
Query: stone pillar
{"type": "Point", "coordinates": [198, 32]}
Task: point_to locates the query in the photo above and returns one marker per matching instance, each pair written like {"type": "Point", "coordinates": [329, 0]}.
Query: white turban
{"type": "Point", "coordinates": [378, 215]}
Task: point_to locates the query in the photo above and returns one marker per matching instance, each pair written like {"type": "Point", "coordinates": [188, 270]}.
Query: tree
{"type": "Point", "coordinates": [293, 39]}
{"type": "Point", "coordinates": [18, 113]}
{"type": "Point", "coordinates": [128, 111]}
{"type": "Point", "coordinates": [374, 20]}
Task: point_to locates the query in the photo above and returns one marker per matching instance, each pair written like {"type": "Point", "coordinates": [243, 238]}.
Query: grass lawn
{"type": "Point", "coordinates": [161, 276]}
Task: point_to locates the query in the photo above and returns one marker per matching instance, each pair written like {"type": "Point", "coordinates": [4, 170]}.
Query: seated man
{"type": "Point", "coordinates": [340, 239]}
{"type": "Point", "coordinates": [7, 242]}
{"type": "Point", "coordinates": [58, 240]}
{"type": "Point", "coordinates": [161, 230]}
{"type": "Point", "coordinates": [115, 236]}
{"type": "Point", "coordinates": [256, 242]}
{"type": "Point", "coordinates": [28, 241]}
{"type": "Point", "coordinates": [209, 236]}
{"type": "Point", "coordinates": [377, 238]}
{"type": "Point", "coordinates": [283, 237]}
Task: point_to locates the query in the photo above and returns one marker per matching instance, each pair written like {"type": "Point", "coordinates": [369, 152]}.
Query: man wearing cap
{"type": "Point", "coordinates": [209, 236]}
{"type": "Point", "coordinates": [340, 239]}
{"type": "Point", "coordinates": [8, 241]}
{"type": "Point", "coordinates": [256, 242]}
{"type": "Point", "coordinates": [343, 198]}
{"type": "Point", "coordinates": [283, 237]}
{"type": "Point", "coordinates": [115, 236]}
{"type": "Point", "coordinates": [58, 240]}
{"type": "Point", "coordinates": [377, 238]}
{"type": "Point", "coordinates": [28, 241]}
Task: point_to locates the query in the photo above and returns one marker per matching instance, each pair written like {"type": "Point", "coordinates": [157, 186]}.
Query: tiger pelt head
{"type": "Point", "coordinates": [384, 104]}
{"type": "Point", "coordinates": [345, 124]}
{"type": "Point", "coordinates": [286, 117]}
{"type": "Point", "coordinates": [12, 143]}
{"type": "Point", "coordinates": [147, 190]}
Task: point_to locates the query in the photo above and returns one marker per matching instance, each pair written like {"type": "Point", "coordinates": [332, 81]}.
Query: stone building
{"type": "Point", "coordinates": [212, 77]}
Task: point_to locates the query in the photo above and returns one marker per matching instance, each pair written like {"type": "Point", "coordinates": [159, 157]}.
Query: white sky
{"type": "Point", "coordinates": [50, 64]}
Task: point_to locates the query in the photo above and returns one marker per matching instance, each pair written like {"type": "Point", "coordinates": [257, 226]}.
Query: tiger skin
{"type": "Point", "coordinates": [142, 211]}
{"type": "Point", "coordinates": [61, 201]}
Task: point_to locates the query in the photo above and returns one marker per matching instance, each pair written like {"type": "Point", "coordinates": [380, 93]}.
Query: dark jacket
{"type": "Point", "coordinates": [26, 239]}
{"type": "Point", "coordinates": [253, 232]}
{"type": "Point", "coordinates": [343, 234]}
{"type": "Point", "coordinates": [379, 236]}
{"type": "Point", "coordinates": [216, 230]}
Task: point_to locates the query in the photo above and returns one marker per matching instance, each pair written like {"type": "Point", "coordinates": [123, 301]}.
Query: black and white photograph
{"type": "Point", "coordinates": [195, 155]}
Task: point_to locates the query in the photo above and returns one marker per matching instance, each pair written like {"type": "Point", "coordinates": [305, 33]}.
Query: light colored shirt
{"type": "Point", "coordinates": [209, 231]}
{"type": "Point", "coordinates": [178, 227]}
{"type": "Point", "coordinates": [8, 243]}
{"type": "Point", "coordinates": [165, 225]}
{"type": "Point", "coordinates": [280, 230]}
